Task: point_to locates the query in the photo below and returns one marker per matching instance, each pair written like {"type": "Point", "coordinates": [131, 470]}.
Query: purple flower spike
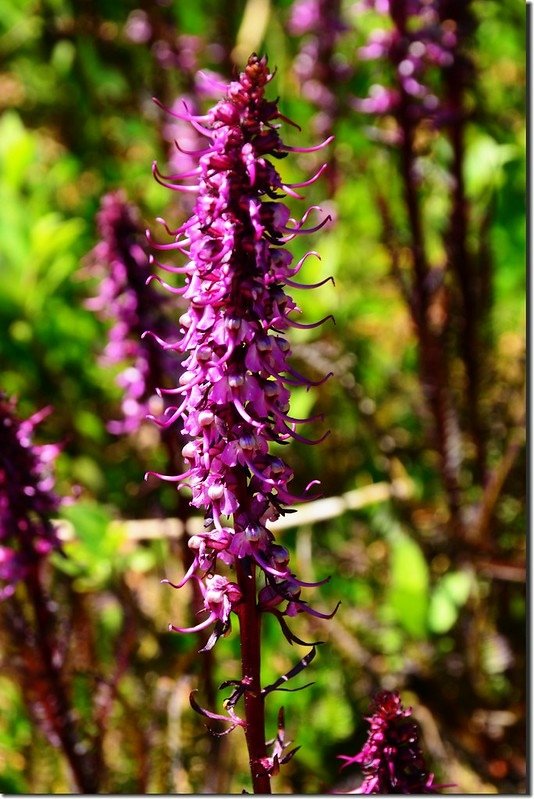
{"type": "Point", "coordinates": [391, 758]}
{"type": "Point", "coordinates": [318, 65]}
{"type": "Point", "coordinates": [27, 498]}
{"type": "Point", "coordinates": [122, 263]}
{"type": "Point", "coordinates": [422, 42]}
{"type": "Point", "coordinates": [232, 400]}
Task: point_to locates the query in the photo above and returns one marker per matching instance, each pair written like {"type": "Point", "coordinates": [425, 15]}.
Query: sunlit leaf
{"type": "Point", "coordinates": [448, 597]}
{"type": "Point", "coordinates": [408, 584]}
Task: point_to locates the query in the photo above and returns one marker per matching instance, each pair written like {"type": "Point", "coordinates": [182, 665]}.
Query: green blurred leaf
{"type": "Point", "coordinates": [142, 560]}
{"type": "Point", "coordinates": [89, 519]}
{"type": "Point", "coordinates": [442, 612]}
{"type": "Point", "coordinates": [302, 402]}
{"type": "Point", "coordinates": [448, 597]}
{"type": "Point", "coordinates": [95, 549]}
{"type": "Point", "coordinates": [485, 159]}
{"type": "Point", "coordinates": [408, 584]}
{"type": "Point", "coordinates": [63, 56]}
{"type": "Point", "coordinates": [17, 150]}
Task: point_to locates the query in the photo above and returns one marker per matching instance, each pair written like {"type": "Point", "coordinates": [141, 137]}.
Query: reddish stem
{"type": "Point", "coordinates": [250, 631]}
{"type": "Point", "coordinates": [433, 361]}
{"type": "Point", "coordinates": [471, 311]}
{"type": "Point", "coordinates": [61, 713]}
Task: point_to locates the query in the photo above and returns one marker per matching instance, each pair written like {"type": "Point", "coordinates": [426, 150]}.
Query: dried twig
{"type": "Point", "coordinates": [310, 513]}
{"type": "Point", "coordinates": [495, 484]}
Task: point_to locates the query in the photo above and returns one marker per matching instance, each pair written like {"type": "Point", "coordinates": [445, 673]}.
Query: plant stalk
{"type": "Point", "coordinates": [85, 775]}
{"type": "Point", "coordinates": [250, 632]}
{"type": "Point", "coordinates": [433, 360]}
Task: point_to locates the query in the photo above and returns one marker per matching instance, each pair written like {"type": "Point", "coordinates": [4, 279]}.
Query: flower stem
{"type": "Point", "coordinates": [433, 362]}
{"type": "Point", "coordinates": [60, 711]}
{"type": "Point", "coordinates": [250, 630]}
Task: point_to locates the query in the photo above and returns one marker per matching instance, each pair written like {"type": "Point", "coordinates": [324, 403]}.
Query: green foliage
{"type": "Point", "coordinates": [15, 736]}
{"type": "Point", "coordinates": [408, 585]}
{"type": "Point", "coordinates": [449, 596]}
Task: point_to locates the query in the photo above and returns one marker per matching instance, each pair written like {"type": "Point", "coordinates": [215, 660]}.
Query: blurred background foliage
{"type": "Point", "coordinates": [437, 615]}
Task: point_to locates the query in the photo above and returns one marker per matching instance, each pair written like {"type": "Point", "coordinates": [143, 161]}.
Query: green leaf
{"type": "Point", "coordinates": [302, 402]}
{"type": "Point", "coordinates": [442, 612]}
{"type": "Point", "coordinates": [95, 548]}
{"type": "Point", "coordinates": [17, 150]}
{"type": "Point", "coordinates": [458, 586]}
{"type": "Point", "coordinates": [449, 595]}
{"type": "Point", "coordinates": [142, 560]}
{"type": "Point", "coordinates": [63, 56]}
{"type": "Point", "coordinates": [408, 585]}
{"type": "Point", "coordinates": [485, 159]}
{"type": "Point", "coordinates": [93, 529]}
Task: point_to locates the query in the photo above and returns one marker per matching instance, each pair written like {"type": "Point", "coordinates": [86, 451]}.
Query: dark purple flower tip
{"type": "Point", "coordinates": [279, 756]}
{"type": "Point", "coordinates": [232, 718]}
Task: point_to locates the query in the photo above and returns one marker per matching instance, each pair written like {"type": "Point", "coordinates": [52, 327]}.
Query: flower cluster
{"type": "Point", "coordinates": [418, 36]}
{"type": "Point", "coordinates": [175, 52]}
{"type": "Point", "coordinates": [232, 400]}
{"type": "Point", "coordinates": [27, 498]}
{"type": "Point", "coordinates": [391, 758]}
{"type": "Point", "coordinates": [122, 263]}
{"type": "Point", "coordinates": [319, 66]}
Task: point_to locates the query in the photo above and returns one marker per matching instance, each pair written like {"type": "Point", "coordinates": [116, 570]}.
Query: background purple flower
{"type": "Point", "coordinates": [27, 497]}
{"type": "Point", "coordinates": [419, 40]}
{"type": "Point", "coordinates": [121, 262]}
{"type": "Point", "coordinates": [391, 758]}
{"type": "Point", "coordinates": [320, 66]}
